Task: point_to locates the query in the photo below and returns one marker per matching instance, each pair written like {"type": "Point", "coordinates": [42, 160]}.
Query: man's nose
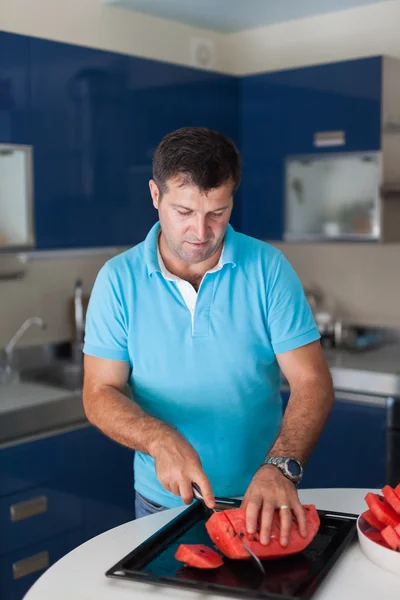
{"type": "Point", "coordinates": [199, 228]}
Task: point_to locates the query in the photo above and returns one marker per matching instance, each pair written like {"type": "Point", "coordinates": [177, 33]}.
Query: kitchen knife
{"type": "Point", "coordinates": [198, 495]}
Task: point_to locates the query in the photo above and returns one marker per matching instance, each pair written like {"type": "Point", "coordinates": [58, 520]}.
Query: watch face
{"type": "Point", "coordinates": [294, 468]}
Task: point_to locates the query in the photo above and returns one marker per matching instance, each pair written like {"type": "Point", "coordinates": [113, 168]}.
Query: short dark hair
{"type": "Point", "coordinates": [198, 156]}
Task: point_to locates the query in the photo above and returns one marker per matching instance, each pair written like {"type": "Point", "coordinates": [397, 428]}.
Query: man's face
{"type": "Point", "coordinates": [193, 223]}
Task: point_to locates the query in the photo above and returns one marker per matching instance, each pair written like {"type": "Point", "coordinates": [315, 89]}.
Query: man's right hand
{"type": "Point", "coordinates": [178, 466]}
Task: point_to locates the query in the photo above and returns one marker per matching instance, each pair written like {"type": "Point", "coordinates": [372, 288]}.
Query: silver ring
{"type": "Point", "coordinates": [284, 507]}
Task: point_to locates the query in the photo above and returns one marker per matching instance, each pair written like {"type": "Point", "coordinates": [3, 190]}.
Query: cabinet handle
{"type": "Point", "coordinates": [34, 563]}
{"type": "Point", "coordinates": [329, 138]}
{"type": "Point", "coordinates": [29, 508]}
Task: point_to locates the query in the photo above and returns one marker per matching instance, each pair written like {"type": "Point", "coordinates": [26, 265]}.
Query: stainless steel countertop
{"type": "Point", "coordinates": [34, 409]}
{"type": "Point", "coordinates": [368, 377]}
{"type": "Point", "coordinates": [372, 372]}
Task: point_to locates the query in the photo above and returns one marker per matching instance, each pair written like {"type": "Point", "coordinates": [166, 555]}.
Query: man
{"type": "Point", "coordinates": [199, 320]}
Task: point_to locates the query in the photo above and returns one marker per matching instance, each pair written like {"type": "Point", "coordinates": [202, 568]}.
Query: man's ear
{"type": "Point", "coordinates": [155, 193]}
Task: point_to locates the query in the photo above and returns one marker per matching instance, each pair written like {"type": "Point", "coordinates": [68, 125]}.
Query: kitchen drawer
{"type": "Point", "coordinates": [29, 464]}
{"type": "Point", "coordinates": [37, 514]}
{"type": "Point", "coordinates": [20, 570]}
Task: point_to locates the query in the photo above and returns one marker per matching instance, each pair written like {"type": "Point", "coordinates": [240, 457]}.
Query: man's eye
{"type": "Point", "coordinates": [215, 215]}
{"type": "Point", "coordinates": [184, 213]}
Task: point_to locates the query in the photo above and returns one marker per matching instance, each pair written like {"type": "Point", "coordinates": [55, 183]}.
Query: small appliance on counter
{"type": "Point", "coordinates": [336, 332]}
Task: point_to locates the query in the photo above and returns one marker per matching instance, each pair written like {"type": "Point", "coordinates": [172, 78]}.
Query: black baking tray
{"type": "Point", "coordinates": [294, 577]}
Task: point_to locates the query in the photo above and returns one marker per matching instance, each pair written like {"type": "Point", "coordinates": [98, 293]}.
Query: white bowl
{"type": "Point", "coordinates": [381, 556]}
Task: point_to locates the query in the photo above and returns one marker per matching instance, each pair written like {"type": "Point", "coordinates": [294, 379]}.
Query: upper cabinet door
{"type": "Point", "coordinates": [264, 146]}
{"type": "Point", "coordinates": [80, 130]}
{"type": "Point", "coordinates": [166, 97]}
{"type": "Point", "coordinates": [97, 118]}
{"type": "Point", "coordinates": [14, 89]}
{"type": "Point", "coordinates": [339, 97]}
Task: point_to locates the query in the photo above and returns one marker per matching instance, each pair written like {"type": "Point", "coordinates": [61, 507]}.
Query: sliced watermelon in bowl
{"type": "Point", "coordinates": [372, 520]}
{"type": "Point", "coordinates": [375, 536]}
{"type": "Point", "coordinates": [378, 529]}
{"type": "Point", "coordinates": [376, 551]}
{"type": "Point", "coordinates": [391, 538]}
{"type": "Point", "coordinates": [381, 509]}
{"type": "Point", "coordinates": [392, 499]}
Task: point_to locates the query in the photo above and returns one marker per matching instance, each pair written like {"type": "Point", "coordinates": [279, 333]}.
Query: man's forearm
{"type": "Point", "coordinates": [304, 420]}
{"type": "Point", "coordinates": [123, 420]}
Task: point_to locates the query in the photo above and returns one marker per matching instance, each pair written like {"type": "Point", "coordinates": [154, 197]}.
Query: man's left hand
{"type": "Point", "coordinates": [270, 490]}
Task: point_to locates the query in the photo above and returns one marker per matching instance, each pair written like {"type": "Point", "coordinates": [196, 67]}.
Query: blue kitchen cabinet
{"type": "Point", "coordinates": [81, 126]}
{"type": "Point", "coordinates": [167, 97]}
{"type": "Point", "coordinates": [351, 451]}
{"type": "Point", "coordinates": [39, 513]}
{"type": "Point", "coordinates": [107, 476]}
{"type": "Point", "coordinates": [97, 117]}
{"type": "Point", "coordinates": [263, 147]}
{"type": "Point", "coordinates": [14, 89]}
{"type": "Point", "coordinates": [280, 114]}
{"type": "Point", "coordinates": [56, 492]}
{"type": "Point", "coordinates": [344, 96]}
{"type": "Point", "coordinates": [20, 569]}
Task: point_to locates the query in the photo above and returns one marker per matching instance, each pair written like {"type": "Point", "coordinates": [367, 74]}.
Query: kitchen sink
{"type": "Point", "coordinates": [63, 374]}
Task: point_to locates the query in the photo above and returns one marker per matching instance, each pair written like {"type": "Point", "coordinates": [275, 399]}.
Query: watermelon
{"type": "Point", "coordinates": [199, 556]}
{"type": "Point", "coordinates": [227, 529]}
{"type": "Point", "coordinates": [382, 510]}
{"type": "Point", "coordinates": [392, 498]}
{"type": "Point", "coordinates": [391, 538]}
{"type": "Point", "coordinates": [397, 490]}
{"type": "Point", "coordinates": [372, 520]}
{"type": "Point", "coordinates": [375, 536]}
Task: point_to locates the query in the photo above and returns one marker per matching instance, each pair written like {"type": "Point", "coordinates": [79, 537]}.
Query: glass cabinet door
{"type": "Point", "coordinates": [16, 197]}
{"type": "Point", "coordinates": [332, 196]}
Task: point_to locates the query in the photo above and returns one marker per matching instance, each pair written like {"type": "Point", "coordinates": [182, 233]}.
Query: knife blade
{"type": "Point", "coordinates": [198, 495]}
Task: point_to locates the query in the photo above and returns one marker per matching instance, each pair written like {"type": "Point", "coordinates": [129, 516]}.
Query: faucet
{"type": "Point", "coordinates": [77, 345]}
{"type": "Point", "coordinates": [7, 374]}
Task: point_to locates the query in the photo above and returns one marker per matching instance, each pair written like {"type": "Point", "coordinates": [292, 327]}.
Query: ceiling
{"type": "Point", "coordinates": [230, 16]}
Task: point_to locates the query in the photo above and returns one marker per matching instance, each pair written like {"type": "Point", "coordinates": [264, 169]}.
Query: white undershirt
{"type": "Point", "coordinates": [186, 289]}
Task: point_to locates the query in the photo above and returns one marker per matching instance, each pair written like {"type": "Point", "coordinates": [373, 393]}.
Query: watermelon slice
{"type": "Point", "coordinates": [391, 538]}
{"type": "Point", "coordinates": [392, 498]}
{"type": "Point", "coordinates": [375, 536]}
{"type": "Point", "coordinates": [199, 556]}
{"type": "Point", "coordinates": [397, 490]}
{"type": "Point", "coordinates": [372, 520]}
{"type": "Point", "coordinates": [381, 509]}
{"type": "Point", "coordinates": [227, 533]}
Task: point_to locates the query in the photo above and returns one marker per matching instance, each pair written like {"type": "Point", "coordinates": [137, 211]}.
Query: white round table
{"type": "Point", "coordinates": [81, 573]}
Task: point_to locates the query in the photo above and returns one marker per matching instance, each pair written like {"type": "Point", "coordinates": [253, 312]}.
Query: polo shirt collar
{"type": "Point", "coordinates": [151, 247]}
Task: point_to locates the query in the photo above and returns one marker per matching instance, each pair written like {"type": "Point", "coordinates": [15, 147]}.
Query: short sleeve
{"type": "Point", "coordinates": [106, 319]}
{"type": "Point", "coordinates": [290, 320]}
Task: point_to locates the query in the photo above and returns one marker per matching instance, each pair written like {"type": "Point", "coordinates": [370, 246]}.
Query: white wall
{"type": "Point", "coordinates": [364, 31]}
{"type": "Point", "coordinates": [91, 23]}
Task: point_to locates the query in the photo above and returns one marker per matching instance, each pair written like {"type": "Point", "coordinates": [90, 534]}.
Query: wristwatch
{"type": "Point", "coordinates": [289, 466]}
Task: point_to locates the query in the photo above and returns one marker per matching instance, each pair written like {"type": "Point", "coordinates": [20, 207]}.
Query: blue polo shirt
{"type": "Point", "coordinates": [216, 379]}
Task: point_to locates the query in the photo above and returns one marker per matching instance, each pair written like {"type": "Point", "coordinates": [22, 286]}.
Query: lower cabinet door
{"type": "Point", "coordinates": [20, 570]}
{"type": "Point", "coordinates": [351, 451]}
{"type": "Point", "coordinates": [38, 514]}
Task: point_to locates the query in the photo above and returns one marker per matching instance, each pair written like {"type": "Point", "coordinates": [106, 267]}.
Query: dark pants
{"type": "Point", "coordinates": [145, 507]}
